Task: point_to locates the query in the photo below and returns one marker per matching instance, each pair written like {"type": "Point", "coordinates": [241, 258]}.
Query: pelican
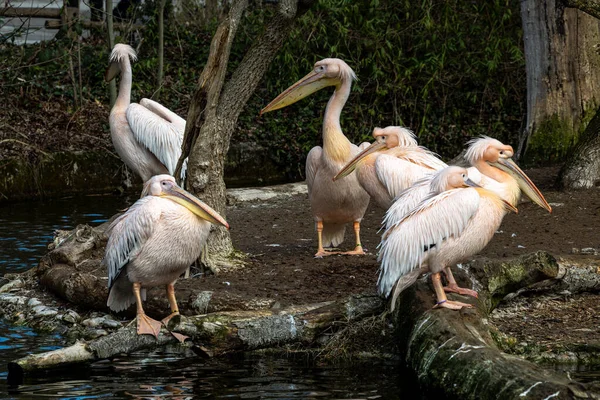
{"type": "Point", "coordinates": [392, 164]}
{"type": "Point", "coordinates": [333, 204]}
{"type": "Point", "coordinates": [492, 168]}
{"type": "Point", "coordinates": [147, 136]}
{"type": "Point", "coordinates": [152, 243]}
{"type": "Point", "coordinates": [456, 221]}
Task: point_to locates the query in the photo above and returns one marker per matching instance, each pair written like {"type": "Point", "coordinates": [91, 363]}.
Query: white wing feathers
{"type": "Point", "coordinates": [406, 201]}
{"type": "Point", "coordinates": [398, 174]}
{"type": "Point", "coordinates": [128, 234]}
{"type": "Point", "coordinates": [312, 165]}
{"type": "Point", "coordinates": [404, 246]}
{"type": "Point", "coordinates": [158, 135]}
{"type": "Point", "coordinates": [165, 113]}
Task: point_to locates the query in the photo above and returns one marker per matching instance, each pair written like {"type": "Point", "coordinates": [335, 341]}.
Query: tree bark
{"type": "Point", "coordinates": [161, 43]}
{"type": "Point", "coordinates": [563, 77]}
{"type": "Point", "coordinates": [216, 106]}
{"type": "Point", "coordinates": [112, 85]}
{"type": "Point", "coordinates": [582, 169]}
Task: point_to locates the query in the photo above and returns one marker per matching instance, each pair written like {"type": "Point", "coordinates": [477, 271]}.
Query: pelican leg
{"type": "Point", "coordinates": [174, 312]}
{"type": "Point", "coordinates": [452, 287]}
{"type": "Point", "coordinates": [321, 251]}
{"type": "Point", "coordinates": [145, 324]}
{"type": "Point", "coordinates": [442, 300]}
{"type": "Point", "coordinates": [358, 250]}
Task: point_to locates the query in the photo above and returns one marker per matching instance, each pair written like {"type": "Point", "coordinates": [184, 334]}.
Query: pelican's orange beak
{"type": "Point", "coordinates": [311, 83]}
{"type": "Point", "coordinates": [527, 186]}
{"type": "Point", "coordinates": [351, 166]}
{"type": "Point", "coordinates": [195, 205]}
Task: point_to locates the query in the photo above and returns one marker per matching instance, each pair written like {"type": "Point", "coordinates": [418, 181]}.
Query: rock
{"type": "Point", "coordinates": [93, 322]}
{"type": "Point", "coordinates": [12, 285]}
{"type": "Point", "coordinates": [71, 317]}
{"type": "Point", "coordinates": [43, 311]}
{"type": "Point", "coordinates": [200, 303]}
{"type": "Point", "coordinates": [33, 302]}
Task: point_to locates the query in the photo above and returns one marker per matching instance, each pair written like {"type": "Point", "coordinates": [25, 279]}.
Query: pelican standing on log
{"type": "Point", "coordinates": [333, 204]}
{"type": "Point", "coordinates": [392, 164]}
{"type": "Point", "coordinates": [456, 221]}
{"type": "Point", "coordinates": [147, 136]}
{"type": "Point", "coordinates": [152, 243]}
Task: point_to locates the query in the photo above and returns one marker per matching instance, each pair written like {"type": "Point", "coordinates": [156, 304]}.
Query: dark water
{"type": "Point", "coordinates": [25, 231]}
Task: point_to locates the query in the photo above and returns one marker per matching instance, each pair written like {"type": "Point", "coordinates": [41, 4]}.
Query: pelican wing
{"type": "Point", "coordinates": [397, 174]}
{"type": "Point", "coordinates": [405, 245]}
{"type": "Point", "coordinates": [312, 165]}
{"type": "Point", "coordinates": [128, 234]}
{"type": "Point", "coordinates": [164, 113]}
{"type": "Point", "coordinates": [406, 201]}
{"type": "Point", "coordinates": [162, 137]}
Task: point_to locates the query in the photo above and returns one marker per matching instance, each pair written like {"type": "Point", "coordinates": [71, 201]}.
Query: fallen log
{"type": "Point", "coordinates": [454, 354]}
{"type": "Point", "coordinates": [212, 334]}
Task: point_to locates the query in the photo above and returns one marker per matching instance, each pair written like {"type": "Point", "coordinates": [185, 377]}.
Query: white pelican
{"type": "Point", "coordinates": [392, 164]}
{"type": "Point", "coordinates": [156, 240]}
{"type": "Point", "coordinates": [493, 169]}
{"type": "Point", "coordinates": [333, 204]}
{"type": "Point", "coordinates": [147, 136]}
{"type": "Point", "coordinates": [455, 222]}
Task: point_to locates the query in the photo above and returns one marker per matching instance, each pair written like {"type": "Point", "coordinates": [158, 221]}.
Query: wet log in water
{"type": "Point", "coordinates": [212, 334]}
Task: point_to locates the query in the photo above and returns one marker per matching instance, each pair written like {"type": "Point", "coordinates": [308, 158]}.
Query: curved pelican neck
{"type": "Point", "coordinates": [335, 145]}
{"type": "Point", "coordinates": [494, 173]}
{"type": "Point", "coordinates": [124, 97]}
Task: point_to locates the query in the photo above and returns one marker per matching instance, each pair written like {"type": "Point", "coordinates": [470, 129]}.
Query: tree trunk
{"type": "Point", "coordinates": [161, 43]}
{"type": "Point", "coordinates": [582, 169]}
{"type": "Point", "coordinates": [563, 77]}
{"type": "Point", "coordinates": [216, 106]}
{"type": "Point", "coordinates": [112, 85]}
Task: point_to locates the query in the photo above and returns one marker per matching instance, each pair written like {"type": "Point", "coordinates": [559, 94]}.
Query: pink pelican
{"type": "Point", "coordinates": [152, 243]}
{"type": "Point", "coordinates": [493, 169]}
{"type": "Point", "coordinates": [457, 221]}
{"type": "Point", "coordinates": [147, 136]}
{"type": "Point", "coordinates": [392, 164]}
{"type": "Point", "coordinates": [333, 204]}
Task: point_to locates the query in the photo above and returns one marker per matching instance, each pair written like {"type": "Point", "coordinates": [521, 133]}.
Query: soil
{"type": "Point", "coordinates": [279, 237]}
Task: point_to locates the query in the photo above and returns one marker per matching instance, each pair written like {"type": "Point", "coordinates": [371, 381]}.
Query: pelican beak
{"type": "Point", "coordinates": [112, 71]}
{"type": "Point", "coordinates": [311, 83]}
{"type": "Point", "coordinates": [351, 166]}
{"type": "Point", "coordinates": [510, 207]}
{"type": "Point", "coordinates": [195, 205]}
{"type": "Point", "coordinates": [509, 166]}
{"type": "Point", "coordinates": [470, 183]}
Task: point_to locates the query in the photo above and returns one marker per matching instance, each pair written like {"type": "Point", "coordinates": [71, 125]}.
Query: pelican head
{"type": "Point", "coordinates": [120, 53]}
{"type": "Point", "coordinates": [165, 186]}
{"type": "Point", "coordinates": [327, 72]}
{"type": "Point", "coordinates": [499, 155]}
{"type": "Point", "coordinates": [451, 177]}
{"type": "Point", "coordinates": [385, 138]}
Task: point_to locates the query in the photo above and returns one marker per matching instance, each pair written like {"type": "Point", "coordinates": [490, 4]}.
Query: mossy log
{"type": "Point", "coordinates": [213, 334]}
{"type": "Point", "coordinates": [454, 355]}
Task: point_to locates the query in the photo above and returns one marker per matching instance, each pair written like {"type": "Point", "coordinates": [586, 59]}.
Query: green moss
{"type": "Point", "coordinates": [551, 141]}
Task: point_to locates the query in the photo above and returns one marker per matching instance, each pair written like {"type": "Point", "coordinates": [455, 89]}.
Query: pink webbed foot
{"type": "Point", "coordinates": [358, 251]}
{"type": "Point", "coordinates": [452, 305]}
{"type": "Point", "coordinates": [165, 321]}
{"type": "Point", "coordinates": [323, 253]}
{"type": "Point", "coordinates": [147, 326]}
{"type": "Point", "coordinates": [455, 289]}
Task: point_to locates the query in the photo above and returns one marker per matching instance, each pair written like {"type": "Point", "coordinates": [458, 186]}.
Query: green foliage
{"type": "Point", "coordinates": [449, 70]}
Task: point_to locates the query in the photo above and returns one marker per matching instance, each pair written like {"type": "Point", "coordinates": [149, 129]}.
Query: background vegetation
{"type": "Point", "coordinates": [448, 70]}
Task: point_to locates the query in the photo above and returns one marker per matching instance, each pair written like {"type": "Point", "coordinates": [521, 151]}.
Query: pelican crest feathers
{"type": "Point", "coordinates": [122, 51]}
{"type": "Point", "coordinates": [478, 146]}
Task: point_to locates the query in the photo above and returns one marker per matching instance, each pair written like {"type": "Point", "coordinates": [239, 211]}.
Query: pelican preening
{"type": "Point", "coordinates": [456, 221]}
{"type": "Point", "coordinates": [147, 136]}
{"type": "Point", "coordinates": [392, 164]}
{"type": "Point", "coordinates": [152, 243]}
{"type": "Point", "coordinates": [333, 204]}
